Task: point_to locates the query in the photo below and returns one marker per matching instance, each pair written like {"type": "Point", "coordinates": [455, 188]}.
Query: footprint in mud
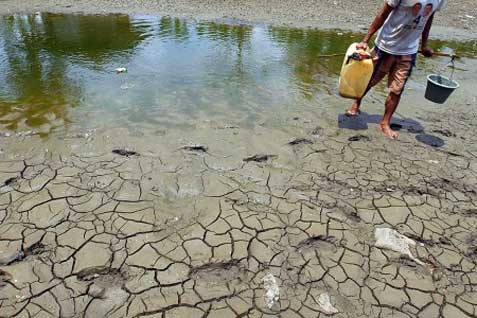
{"type": "Point", "coordinates": [100, 272]}
{"type": "Point", "coordinates": [218, 272]}
{"type": "Point", "coordinates": [321, 243]}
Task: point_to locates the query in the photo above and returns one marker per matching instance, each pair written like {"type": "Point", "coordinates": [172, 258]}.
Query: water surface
{"type": "Point", "coordinates": [59, 70]}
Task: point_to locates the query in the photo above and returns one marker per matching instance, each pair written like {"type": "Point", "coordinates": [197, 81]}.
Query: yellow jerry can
{"type": "Point", "coordinates": [355, 73]}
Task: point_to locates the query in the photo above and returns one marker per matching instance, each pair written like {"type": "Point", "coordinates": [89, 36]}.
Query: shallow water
{"type": "Point", "coordinates": [59, 70]}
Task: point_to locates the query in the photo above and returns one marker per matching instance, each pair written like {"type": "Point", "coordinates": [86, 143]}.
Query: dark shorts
{"type": "Point", "coordinates": [397, 67]}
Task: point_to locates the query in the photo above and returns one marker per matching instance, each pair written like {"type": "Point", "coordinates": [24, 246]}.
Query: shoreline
{"type": "Point", "coordinates": [449, 25]}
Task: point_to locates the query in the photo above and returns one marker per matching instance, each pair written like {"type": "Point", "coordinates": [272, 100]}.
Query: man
{"type": "Point", "coordinates": [401, 24]}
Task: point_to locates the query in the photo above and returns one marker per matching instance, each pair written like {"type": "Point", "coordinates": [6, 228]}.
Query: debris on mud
{"type": "Point", "coordinates": [10, 181]}
{"type": "Point", "coordinates": [444, 132]}
{"type": "Point", "coordinates": [324, 301]}
{"type": "Point", "coordinates": [300, 141]}
{"type": "Point", "coordinates": [393, 240]}
{"type": "Point", "coordinates": [195, 148]}
{"type": "Point", "coordinates": [316, 132]}
{"type": "Point", "coordinates": [359, 137]}
{"type": "Point", "coordinates": [125, 153]}
{"type": "Point", "coordinates": [272, 295]}
{"type": "Point", "coordinates": [260, 158]}
{"type": "Point", "coordinates": [217, 272]}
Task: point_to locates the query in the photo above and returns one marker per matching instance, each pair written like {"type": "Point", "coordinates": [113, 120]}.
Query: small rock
{"type": "Point", "coordinates": [96, 291]}
{"type": "Point", "coordinates": [324, 301]}
{"type": "Point", "coordinates": [395, 241]}
{"type": "Point", "coordinates": [272, 295]}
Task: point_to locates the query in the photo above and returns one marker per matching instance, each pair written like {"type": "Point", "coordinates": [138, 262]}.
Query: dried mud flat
{"type": "Point", "coordinates": [346, 225]}
{"type": "Point", "coordinates": [296, 219]}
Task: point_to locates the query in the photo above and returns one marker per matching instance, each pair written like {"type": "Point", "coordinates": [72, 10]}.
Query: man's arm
{"type": "Point", "coordinates": [425, 50]}
{"type": "Point", "coordinates": [376, 25]}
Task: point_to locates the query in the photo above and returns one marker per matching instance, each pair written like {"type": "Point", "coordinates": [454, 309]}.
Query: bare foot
{"type": "Point", "coordinates": [353, 111]}
{"type": "Point", "coordinates": [388, 131]}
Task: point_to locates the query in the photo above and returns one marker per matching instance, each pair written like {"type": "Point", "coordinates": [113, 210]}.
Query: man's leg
{"type": "Point", "coordinates": [392, 102]}
{"type": "Point", "coordinates": [398, 77]}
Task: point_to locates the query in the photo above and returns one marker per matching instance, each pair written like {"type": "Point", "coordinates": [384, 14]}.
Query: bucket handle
{"type": "Point", "coordinates": [452, 66]}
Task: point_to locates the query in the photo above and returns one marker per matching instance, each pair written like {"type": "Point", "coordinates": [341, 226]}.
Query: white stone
{"type": "Point", "coordinates": [324, 301]}
{"type": "Point", "coordinates": [393, 240]}
{"type": "Point", "coordinates": [272, 295]}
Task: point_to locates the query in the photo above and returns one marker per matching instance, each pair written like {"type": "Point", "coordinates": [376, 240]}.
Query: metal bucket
{"type": "Point", "coordinates": [439, 88]}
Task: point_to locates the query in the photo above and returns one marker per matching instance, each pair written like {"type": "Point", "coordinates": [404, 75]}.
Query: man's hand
{"type": "Point", "coordinates": [427, 51]}
{"type": "Point", "coordinates": [362, 46]}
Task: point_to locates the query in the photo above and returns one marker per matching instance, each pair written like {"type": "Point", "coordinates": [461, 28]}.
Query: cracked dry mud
{"type": "Point", "coordinates": [193, 234]}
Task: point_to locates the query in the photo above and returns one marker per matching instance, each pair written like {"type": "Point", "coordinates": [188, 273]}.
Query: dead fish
{"type": "Point", "coordinates": [300, 141]}
{"type": "Point", "coordinates": [125, 153]}
{"type": "Point", "coordinates": [197, 148]}
{"type": "Point", "coordinates": [260, 158]}
{"type": "Point", "coordinates": [359, 137]}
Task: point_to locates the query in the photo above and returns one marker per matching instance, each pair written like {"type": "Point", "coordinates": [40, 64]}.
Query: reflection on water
{"type": "Point", "coordinates": [40, 55]}
{"type": "Point", "coordinates": [59, 69]}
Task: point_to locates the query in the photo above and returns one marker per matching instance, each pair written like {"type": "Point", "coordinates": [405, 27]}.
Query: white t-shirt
{"type": "Point", "coordinates": [401, 32]}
